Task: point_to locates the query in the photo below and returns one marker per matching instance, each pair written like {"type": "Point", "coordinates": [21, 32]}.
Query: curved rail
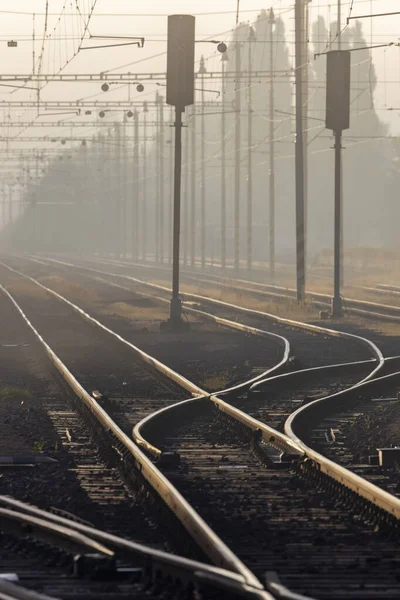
{"type": "Point", "coordinates": [364, 488]}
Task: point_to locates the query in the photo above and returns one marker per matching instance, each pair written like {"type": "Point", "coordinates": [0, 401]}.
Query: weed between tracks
{"type": "Point", "coordinates": [64, 287]}
{"type": "Point", "coordinates": [287, 308]}
{"type": "Point", "coordinates": [14, 393]}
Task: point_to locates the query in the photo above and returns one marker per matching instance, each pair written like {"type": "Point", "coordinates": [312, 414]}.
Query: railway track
{"type": "Point", "coordinates": [210, 476]}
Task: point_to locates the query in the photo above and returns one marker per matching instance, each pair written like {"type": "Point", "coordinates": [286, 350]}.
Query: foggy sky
{"type": "Point", "coordinates": [20, 26]}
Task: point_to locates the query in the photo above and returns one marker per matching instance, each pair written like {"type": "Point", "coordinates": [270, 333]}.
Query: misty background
{"type": "Point", "coordinates": [104, 193]}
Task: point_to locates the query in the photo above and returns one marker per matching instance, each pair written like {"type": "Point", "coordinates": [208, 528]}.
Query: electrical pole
{"type": "Point", "coordinates": [236, 260]}
{"type": "Point", "coordinates": [202, 71]}
{"type": "Point", "coordinates": [144, 183]}
{"type": "Point", "coordinates": [305, 79]}
{"type": "Point", "coordinates": [117, 187]}
{"type": "Point", "coordinates": [124, 191]}
{"type": "Point", "coordinates": [193, 192]}
{"type": "Point", "coordinates": [250, 155]}
{"type": "Point", "coordinates": [224, 58]}
{"type": "Point", "coordinates": [161, 191]}
{"type": "Point", "coordinates": [186, 199]}
{"type": "Point", "coordinates": [271, 21]}
{"type": "Point", "coordinates": [3, 207]}
{"type": "Point", "coordinates": [101, 167]}
{"type": "Point", "coordinates": [157, 181]}
{"type": "Point", "coordinates": [135, 198]}
{"type": "Point", "coordinates": [339, 38]}
{"type": "Point", "coordinates": [10, 204]}
{"type": "Point", "coordinates": [171, 185]}
{"type": "Point", "coordinates": [299, 150]}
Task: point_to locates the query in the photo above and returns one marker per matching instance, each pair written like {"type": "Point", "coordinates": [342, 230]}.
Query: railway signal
{"type": "Point", "coordinates": [180, 93]}
{"type": "Point", "coordinates": [338, 119]}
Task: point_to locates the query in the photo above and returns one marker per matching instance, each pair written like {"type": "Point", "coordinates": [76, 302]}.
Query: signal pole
{"type": "Point", "coordinates": [180, 93]}
{"type": "Point", "coordinates": [338, 119]}
{"type": "Point", "coordinates": [271, 21]}
{"type": "Point", "coordinates": [299, 148]}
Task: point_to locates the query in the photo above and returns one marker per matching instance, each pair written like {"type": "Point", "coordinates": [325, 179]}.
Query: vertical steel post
{"type": "Point", "coordinates": [186, 199]}
{"type": "Point", "coordinates": [117, 186]}
{"type": "Point", "coordinates": [202, 71]}
{"type": "Point", "coordinates": [157, 181]}
{"type": "Point", "coordinates": [193, 192]}
{"type": "Point", "coordinates": [124, 190]}
{"type": "Point", "coordinates": [271, 254]}
{"type": "Point", "coordinates": [337, 299]}
{"type": "Point", "coordinates": [101, 204]}
{"type": "Point", "coordinates": [171, 185]}
{"type": "Point", "coordinates": [224, 58]}
{"type": "Point", "coordinates": [299, 151]}
{"type": "Point", "coordinates": [250, 155]}
{"type": "Point", "coordinates": [305, 81]}
{"type": "Point", "coordinates": [176, 307]}
{"type": "Point", "coordinates": [236, 260]}
{"type": "Point", "coordinates": [136, 195]}
{"type": "Point", "coordinates": [161, 179]}
{"type": "Point", "coordinates": [339, 37]}
{"type": "Point", "coordinates": [10, 204]}
{"type": "Point", "coordinates": [144, 183]}
{"type": "Point", "coordinates": [3, 206]}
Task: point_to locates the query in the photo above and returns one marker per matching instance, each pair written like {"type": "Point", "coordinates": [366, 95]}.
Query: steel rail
{"type": "Point", "coordinates": [204, 536]}
{"type": "Point", "coordinates": [310, 370]}
{"type": "Point", "coordinates": [62, 535]}
{"type": "Point", "coordinates": [362, 487]}
{"type": "Point", "coordinates": [170, 564]}
{"type": "Point", "coordinates": [11, 591]}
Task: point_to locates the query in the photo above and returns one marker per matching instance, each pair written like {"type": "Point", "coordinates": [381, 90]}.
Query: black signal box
{"type": "Point", "coordinates": [180, 60]}
{"type": "Point", "coordinates": [337, 115]}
